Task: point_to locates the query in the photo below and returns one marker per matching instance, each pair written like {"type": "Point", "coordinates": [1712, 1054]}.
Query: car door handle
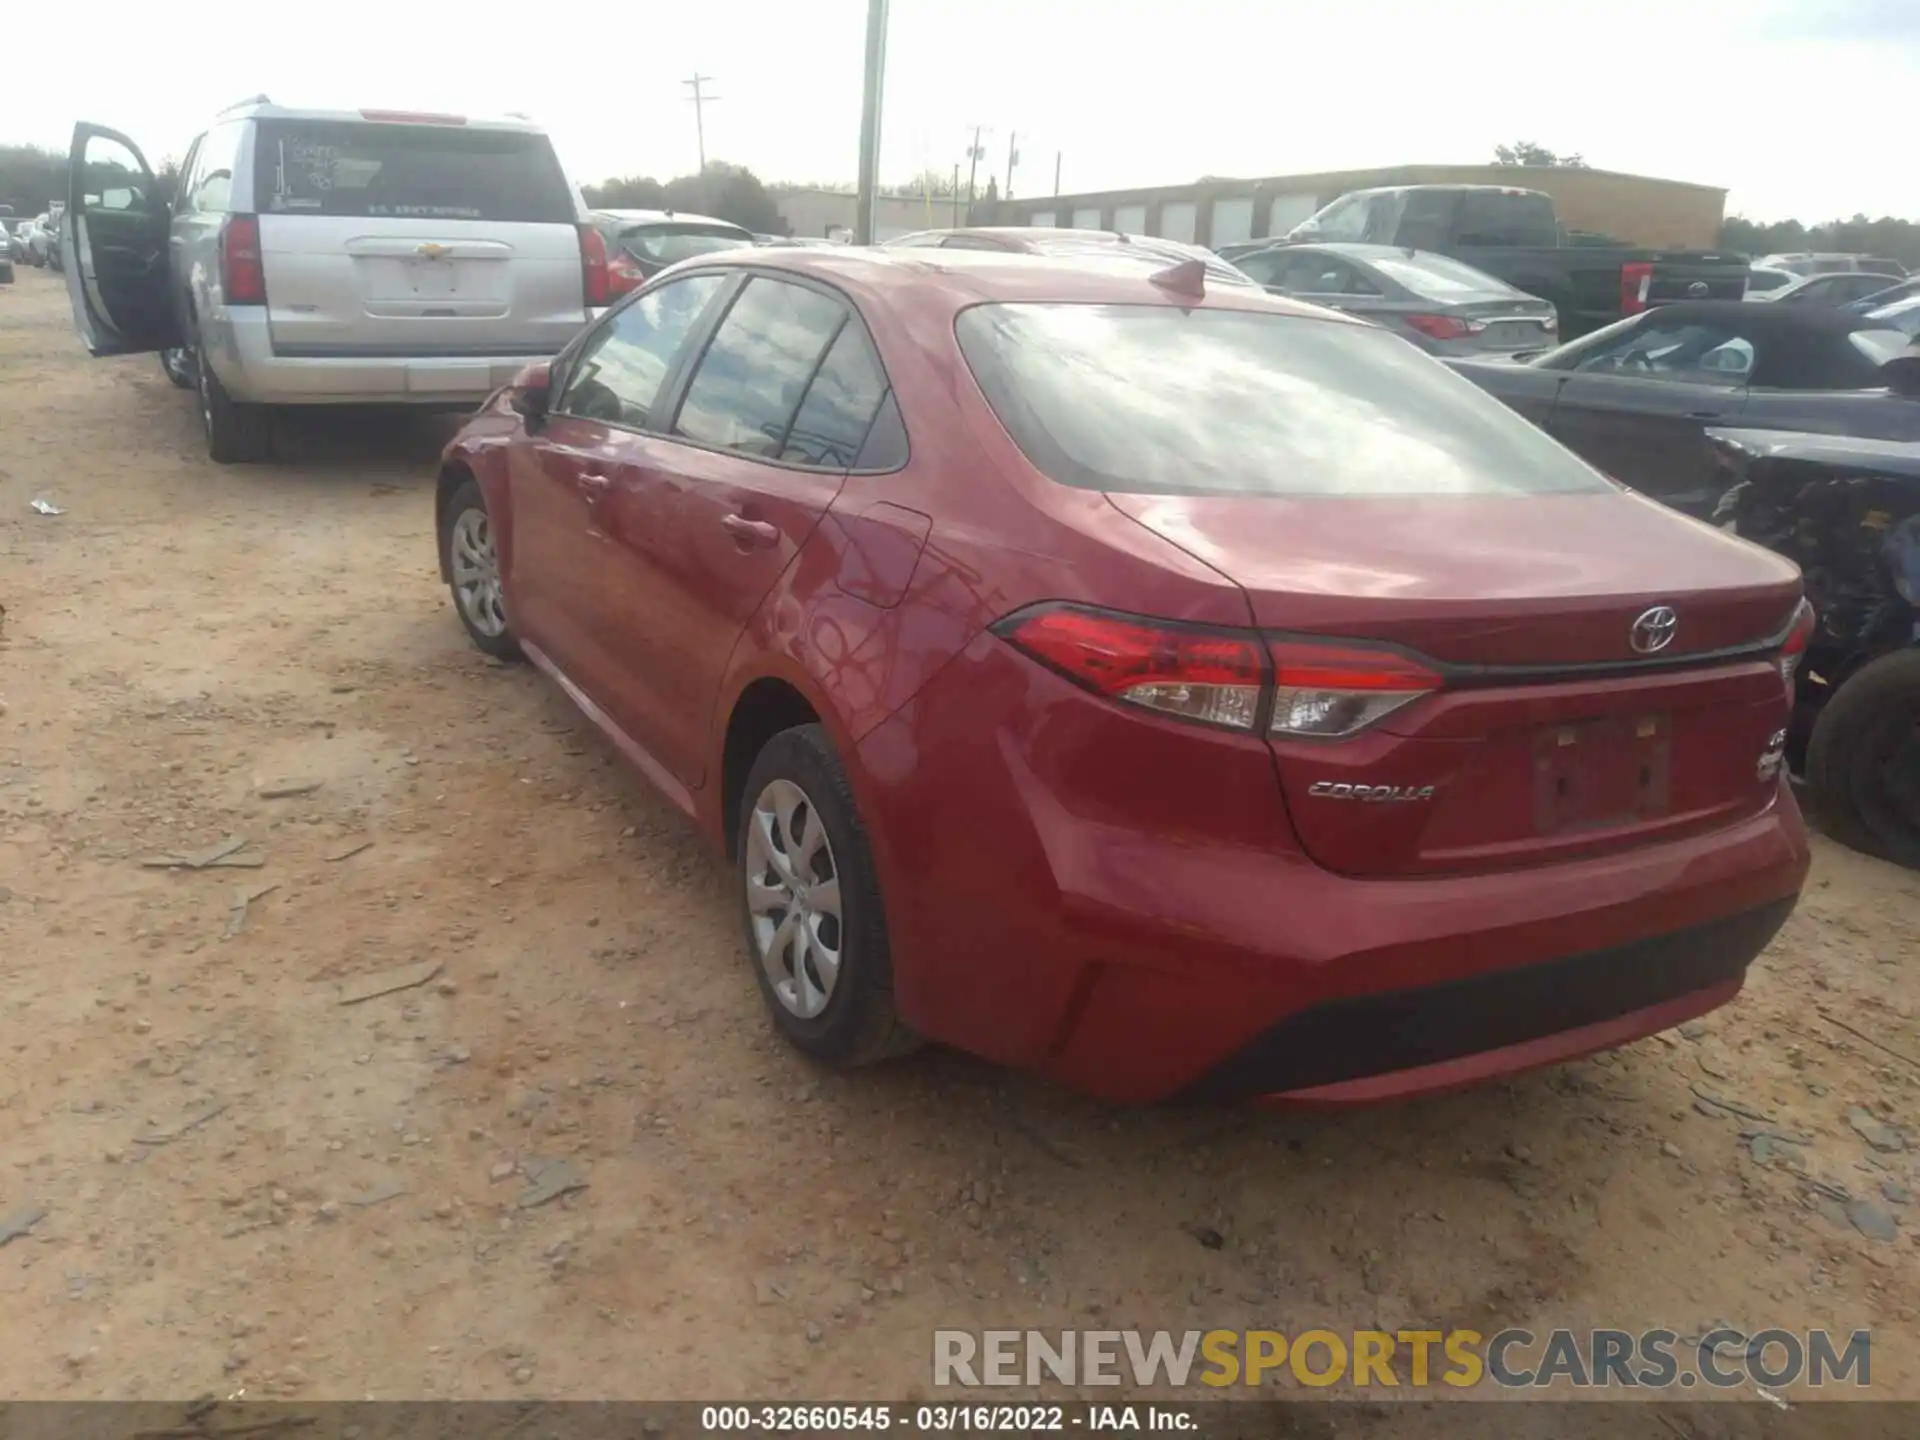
{"type": "Point", "coordinates": [595, 485]}
{"type": "Point", "coordinates": [749, 533]}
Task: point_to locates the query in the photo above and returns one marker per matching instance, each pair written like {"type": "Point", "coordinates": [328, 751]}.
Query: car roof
{"type": "Point", "coordinates": [1060, 240]}
{"type": "Point", "coordinates": [953, 280]}
{"type": "Point", "coordinates": [665, 217]}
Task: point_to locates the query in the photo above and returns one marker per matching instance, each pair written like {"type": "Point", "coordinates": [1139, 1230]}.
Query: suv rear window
{"type": "Point", "coordinates": [426, 172]}
{"type": "Point", "coordinates": [1157, 400]}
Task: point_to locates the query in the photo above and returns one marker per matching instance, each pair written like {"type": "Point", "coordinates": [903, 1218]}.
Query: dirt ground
{"type": "Point", "coordinates": [252, 1187]}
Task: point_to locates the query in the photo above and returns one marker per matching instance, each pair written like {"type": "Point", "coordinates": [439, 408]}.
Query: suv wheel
{"type": "Point", "coordinates": [811, 905]}
{"type": "Point", "coordinates": [1863, 762]}
{"type": "Point", "coordinates": [178, 363]}
{"type": "Point", "coordinates": [472, 567]}
{"type": "Point", "coordinates": [236, 434]}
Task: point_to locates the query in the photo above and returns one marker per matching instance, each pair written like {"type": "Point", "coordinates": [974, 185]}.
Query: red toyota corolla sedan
{"type": "Point", "coordinates": [1170, 688]}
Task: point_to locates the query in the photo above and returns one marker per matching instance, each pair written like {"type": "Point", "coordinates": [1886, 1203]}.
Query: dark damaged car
{"type": "Point", "coordinates": [1847, 511]}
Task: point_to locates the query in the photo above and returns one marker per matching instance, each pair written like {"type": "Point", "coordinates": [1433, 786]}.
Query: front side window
{"type": "Point", "coordinates": [619, 372]}
{"type": "Point", "coordinates": [757, 368]}
{"type": "Point", "coordinates": [407, 171]}
{"type": "Point", "coordinates": [1152, 399]}
{"type": "Point", "coordinates": [1697, 351]}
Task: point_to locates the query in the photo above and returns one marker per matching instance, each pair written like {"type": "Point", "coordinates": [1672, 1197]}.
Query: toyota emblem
{"type": "Point", "coordinates": [1697, 289]}
{"type": "Point", "coordinates": [1653, 630]}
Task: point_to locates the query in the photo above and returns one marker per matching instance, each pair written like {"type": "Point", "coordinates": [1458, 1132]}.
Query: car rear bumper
{"type": "Point", "coordinates": [245, 360]}
{"type": "Point", "coordinates": [1118, 902]}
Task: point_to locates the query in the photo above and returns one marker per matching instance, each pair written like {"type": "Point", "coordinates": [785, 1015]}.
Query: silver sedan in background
{"type": "Point", "coordinates": [1443, 306]}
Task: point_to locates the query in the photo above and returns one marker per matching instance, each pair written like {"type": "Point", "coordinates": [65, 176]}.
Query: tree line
{"type": "Point", "coordinates": [31, 177]}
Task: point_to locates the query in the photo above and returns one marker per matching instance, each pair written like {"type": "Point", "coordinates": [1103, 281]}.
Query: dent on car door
{"type": "Point", "coordinates": [1638, 407]}
{"type": "Point", "coordinates": [114, 246]}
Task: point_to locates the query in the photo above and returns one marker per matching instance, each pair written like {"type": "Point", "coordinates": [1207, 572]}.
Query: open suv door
{"type": "Point", "coordinates": [114, 245]}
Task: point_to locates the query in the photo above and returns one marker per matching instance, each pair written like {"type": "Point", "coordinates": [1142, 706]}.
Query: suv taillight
{"type": "Point", "coordinates": [1222, 677]}
{"type": "Point", "coordinates": [243, 270]}
{"type": "Point", "coordinates": [1799, 636]}
{"type": "Point", "coordinates": [1636, 283]}
{"type": "Point", "coordinates": [593, 266]}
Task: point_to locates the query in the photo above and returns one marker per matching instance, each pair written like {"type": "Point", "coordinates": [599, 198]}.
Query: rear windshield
{"type": "Point", "coordinates": [1435, 277]}
{"type": "Point", "coordinates": [1156, 400]}
{"type": "Point", "coordinates": [670, 244]}
{"type": "Point", "coordinates": [428, 172]}
{"type": "Point", "coordinates": [1759, 282]}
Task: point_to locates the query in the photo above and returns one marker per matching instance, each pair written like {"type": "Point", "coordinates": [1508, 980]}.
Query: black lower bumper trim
{"type": "Point", "coordinates": [1365, 1035]}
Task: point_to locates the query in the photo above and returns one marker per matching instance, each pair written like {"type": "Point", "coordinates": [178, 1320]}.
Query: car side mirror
{"type": "Point", "coordinates": [531, 391]}
{"type": "Point", "coordinates": [1903, 374]}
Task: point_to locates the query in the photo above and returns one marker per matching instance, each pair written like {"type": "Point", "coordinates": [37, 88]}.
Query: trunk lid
{"type": "Point", "coordinates": [392, 239]}
{"type": "Point", "coordinates": [1551, 736]}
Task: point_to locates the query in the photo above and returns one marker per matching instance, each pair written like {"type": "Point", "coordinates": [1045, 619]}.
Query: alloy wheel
{"type": "Point", "coordinates": [476, 573]}
{"type": "Point", "coordinates": [793, 898]}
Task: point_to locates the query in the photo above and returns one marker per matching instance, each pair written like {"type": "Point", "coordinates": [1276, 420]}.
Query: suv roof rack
{"type": "Point", "coordinates": [243, 104]}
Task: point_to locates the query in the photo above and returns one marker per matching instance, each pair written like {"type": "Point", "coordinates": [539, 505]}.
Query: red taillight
{"type": "Point", "coordinates": [1440, 327]}
{"type": "Point", "coordinates": [1328, 690]}
{"type": "Point", "coordinates": [623, 274]}
{"type": "Point", "coordinates": [1212, 676]}
{"type": "Point", "coordinates": [1636, 282]}
{"type": "Point", "coordinates": [1220, 676]}
{"type": "Point", "coordinates": [1799, 636]}
{"type": "Point", "coordinates": [243, 271]}
{"type": "Point", "coordinates": [593, 265]}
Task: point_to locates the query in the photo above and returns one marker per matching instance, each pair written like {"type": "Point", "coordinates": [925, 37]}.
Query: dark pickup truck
{"type": "Point", "coordinates": [1515, 235]}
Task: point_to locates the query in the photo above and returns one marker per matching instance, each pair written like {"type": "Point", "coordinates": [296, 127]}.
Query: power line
{"type": "Point", "coordinates": [700, 100]}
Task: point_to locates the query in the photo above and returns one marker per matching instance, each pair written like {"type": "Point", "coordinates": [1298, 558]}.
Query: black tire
{"type": "Point", "coordinates": [178, 365]}
{"type": "Point", "coordinates": [1863, 762]}
{"type": "Point", "coordinates": [859, 1024]}
{"type": "Point", "coordinates": [501, 645]}
{"type": "Point", "coordinates": [237, 434]}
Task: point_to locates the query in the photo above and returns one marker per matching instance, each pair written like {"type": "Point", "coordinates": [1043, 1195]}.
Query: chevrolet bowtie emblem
{"type": "Point", "coordinates": [431, 251]}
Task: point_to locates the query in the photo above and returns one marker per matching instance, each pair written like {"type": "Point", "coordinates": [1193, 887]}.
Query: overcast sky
{"type": "Point", "coordinates": [1799, 107]}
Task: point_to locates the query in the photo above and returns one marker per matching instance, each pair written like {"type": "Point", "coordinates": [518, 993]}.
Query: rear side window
{"type": "Point", "coordinates": [1156, 400]}
{"type": "Point", "coordinates": [426, 172]}
{"type": "Point", "coordinates": [1495, 217]}
{"type": "Point", "coordinates": [1435, 277]}
{"type": "Point", "coordinates": [833, 420]}
{"type": "Point", "coordinates": [758, 366]}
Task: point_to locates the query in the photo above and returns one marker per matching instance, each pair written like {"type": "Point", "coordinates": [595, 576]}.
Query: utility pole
{"type": "Point", "coordinates": [874, 83]}
{"type": "Point", "coordinates": [956, 194]}
{"type": "Point", "coordinates": [1056, 172]}
{"type": "Point", "coordinates": [1013, 159]}
{"type": "Point", "coordinates": [700, 102]}
{"type": "Point", "coordinates": [974, 155]}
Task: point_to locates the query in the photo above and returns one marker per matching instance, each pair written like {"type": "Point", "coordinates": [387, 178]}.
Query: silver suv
{"type": "Point", "coordinates": [318, 257]}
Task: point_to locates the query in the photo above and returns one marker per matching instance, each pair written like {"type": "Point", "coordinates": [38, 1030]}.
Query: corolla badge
{"type": "Point", "coordinates": [1653, 630]}
{"type": "Point", "coordinates": [1341, 790]}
